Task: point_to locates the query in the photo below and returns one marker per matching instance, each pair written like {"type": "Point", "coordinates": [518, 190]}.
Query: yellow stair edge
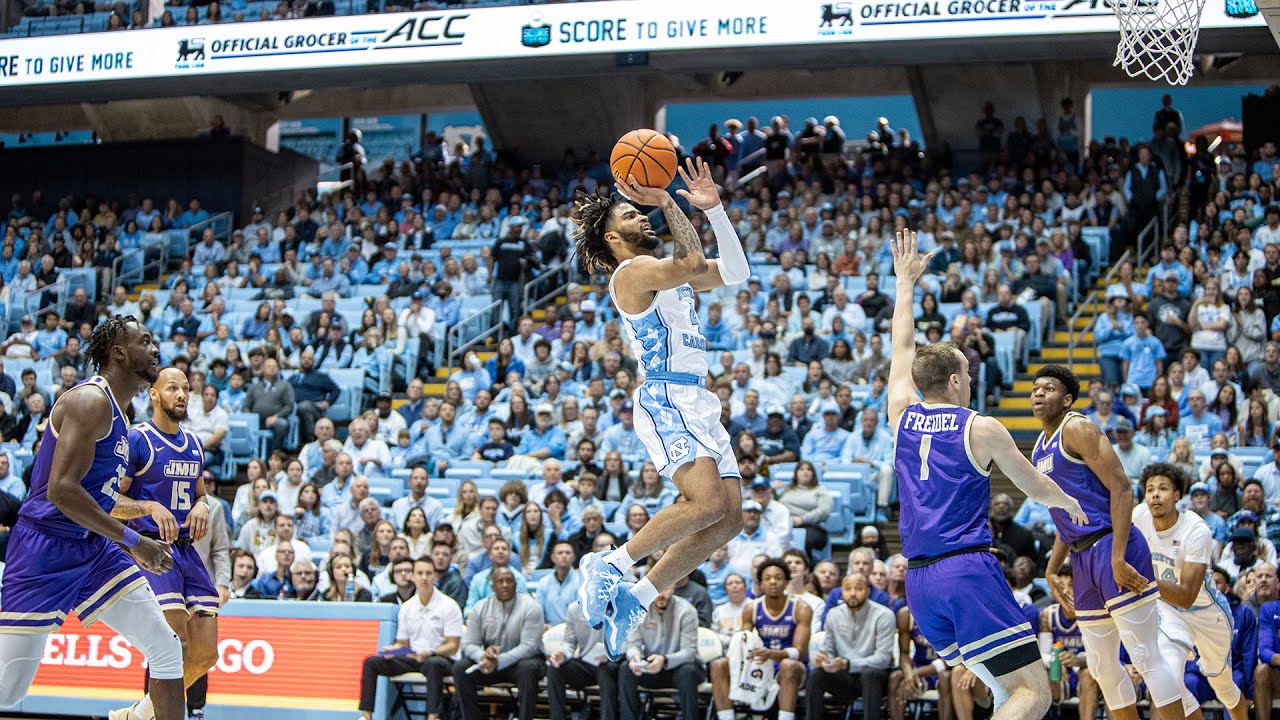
{"type": "Point", "coordinates": [1081, 353]}
{"type": "Point", "coordinates": [1063, 337]}
{"type": "Point", "coordinates": [1020, 423]}
{"type": "Point", "coordinates": [1018, 402]}
{"type": "Point", "coordinates": [1083, 370]}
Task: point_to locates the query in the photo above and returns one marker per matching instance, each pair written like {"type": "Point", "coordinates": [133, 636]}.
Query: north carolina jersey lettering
{"type": "Point", "coordinates": [1077, 480]}
{"type": "Point", "coordinates": [102, 481]}
{"type": "Point", "coordinates": [165, 469]}
{"type": "Point", "coordinates": [1189, 541]}
{"type": "Point", "coordinates": [945, 495]}
{"type": "Point", "coordinates": [667, 336]}
{"type": "Point", "coordinates": [777, 633]}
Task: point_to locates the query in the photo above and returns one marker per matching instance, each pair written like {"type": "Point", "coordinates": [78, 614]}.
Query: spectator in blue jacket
{"type": "Point", "coordinates": [1109, 333]}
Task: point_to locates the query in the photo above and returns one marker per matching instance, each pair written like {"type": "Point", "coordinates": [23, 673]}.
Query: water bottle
{"type": "Point", "coordinates": [349, 594]}
{"type": "Point", "coordinates": [1055, 667]}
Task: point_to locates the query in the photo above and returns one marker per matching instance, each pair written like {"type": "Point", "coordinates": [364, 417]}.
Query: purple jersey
{"type": "Point", "coordinates": [945, 495]}
{"type": "Point", "coordinates": [102, 481]}
{"type": "Point", "coordinates": [1065, 633]}
{"type": "Point", "coordinates": [165, 468]}
{"type": "Point", "coordinates": [1077, 480]}
{"type": "Point", "coordinates": [778, 632]}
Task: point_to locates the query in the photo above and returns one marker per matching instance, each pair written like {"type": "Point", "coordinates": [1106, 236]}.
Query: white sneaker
{"type": "Point", "coordinates": [123, 713]}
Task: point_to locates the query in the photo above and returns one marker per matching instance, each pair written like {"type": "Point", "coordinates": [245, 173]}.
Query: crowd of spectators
{"type": "Point", "coordinates": [261, 320]}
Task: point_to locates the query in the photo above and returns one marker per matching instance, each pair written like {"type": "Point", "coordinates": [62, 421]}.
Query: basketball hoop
{"type": "Point", "coordinates": [1158, 38]}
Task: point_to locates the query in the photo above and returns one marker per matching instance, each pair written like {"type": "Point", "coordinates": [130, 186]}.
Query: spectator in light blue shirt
{"type": "Point", "coordinates": [337, 493]}
{"type": "Point", "coordinates": [1198, 425]}
{"type": "Point", "coordinates": [1035, 515]}
{"type": "Point", "coordinates": [447, 440]}
{"type": "Point", "coordinates": [9, 482]}
{"type": "Point", "coordinates": [50, 340]}
{"type": "Point", "coordinates": [472, 377]}
{"type": "Point", "coordinates": [1144, 355]}
{"type": "Point", "coordinates": [330, 280]}
{"type": "Point", "coordinates": [1109, 333]}
{"type": "Point", "coordinates": [545, 439]}
{"type": "Point", "coordinates": [621, 436]}
{"type": "Point", "coordinates": [824, 444]}
{"type": "Point", "coordinates": [559, 588]}
{"type": "Point", "coordinates": [194, 214]}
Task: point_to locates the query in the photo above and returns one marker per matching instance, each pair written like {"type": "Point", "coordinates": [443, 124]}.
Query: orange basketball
{"type": "Point", "coordinates": [646, 154]}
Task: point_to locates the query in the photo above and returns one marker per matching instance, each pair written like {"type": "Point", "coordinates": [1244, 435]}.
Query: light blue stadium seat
{"type": "Point", "coordinates": [386, 489]}
{"type": "Point", "coordinates": [351, 384]}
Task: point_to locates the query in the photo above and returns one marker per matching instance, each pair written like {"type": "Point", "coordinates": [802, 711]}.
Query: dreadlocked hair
{"type": "Point", "coordinates": [591, 214]}
{"type": "Point", "coordinates": [109, 333]}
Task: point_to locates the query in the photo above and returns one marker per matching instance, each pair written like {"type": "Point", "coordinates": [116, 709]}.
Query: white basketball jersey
{"type": "Point", "coordinates": [667, 336]}
{"type": "Point", "coordinates": [1189, 540]}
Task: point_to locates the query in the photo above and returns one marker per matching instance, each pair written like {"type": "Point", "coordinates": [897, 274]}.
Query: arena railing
{"type": "Point", "coordinates": [557, 277]}
{"type": "Point", "coordinates": [455, 348]}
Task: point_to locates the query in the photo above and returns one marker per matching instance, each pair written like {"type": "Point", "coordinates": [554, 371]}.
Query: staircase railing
{"type": "Point", "coordinates": [562, 273]}
{"type": "Point", "coordinates": [454, 347]}
{"type": "Point", "coordinates": [1077, 334]}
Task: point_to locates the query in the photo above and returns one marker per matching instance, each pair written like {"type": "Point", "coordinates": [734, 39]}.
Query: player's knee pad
{"type": "Point", "coordinates": [1139, 629]}
{"type": "Point", "coordinates": [1225, 688]}
{"type": "Point", "coordinates": [163, 651]}
{"type": "Point", "coordinates": [1103, 644]}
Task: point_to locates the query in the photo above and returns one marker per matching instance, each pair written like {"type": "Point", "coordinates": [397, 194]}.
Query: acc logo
{"type": "Point", "coordinates": [536, 33]}
{"type": "Point", "coordinates": [190, 53]}
{"type": "Point", "coordinates": [837, 19]}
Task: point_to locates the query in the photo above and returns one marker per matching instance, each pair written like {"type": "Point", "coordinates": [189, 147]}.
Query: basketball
{"type": "Point", "coordinates": [646, 154]}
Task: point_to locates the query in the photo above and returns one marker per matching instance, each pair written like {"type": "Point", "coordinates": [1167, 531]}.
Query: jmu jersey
{"type": "Point", "coordinates": [102, 481]}
{"type": "Point", "coordinates": [667, 336]}
{"type": "Point", "coordinates": [1065, 633]}
{"type": "Point", "coordinates": [1189, 540]}
{"type": "Point", "coordinates": [945, 495]}
{"type": "Point", "coordinates": [776, 632]}
{"type": "Point", "coordinates": [1077, 480]}
{"type": "Point", "coordinates": [165, 469]}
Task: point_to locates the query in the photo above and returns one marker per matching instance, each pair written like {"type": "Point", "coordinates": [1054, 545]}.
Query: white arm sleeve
{"type": "Point", "coordinates": [733, 260]}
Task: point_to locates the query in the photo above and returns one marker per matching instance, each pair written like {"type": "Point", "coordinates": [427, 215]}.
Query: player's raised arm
{"type": "Point", "coordinates": [992, 441]}
{"type": "Point", "coordinates": [908, 266]}
{"type": "Point", "coordinates": [731, 268]}
{"type": "Point", "coordinates": [686, 264]}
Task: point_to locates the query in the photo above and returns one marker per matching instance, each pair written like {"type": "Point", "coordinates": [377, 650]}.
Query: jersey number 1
{"type": "Point", "coordinates": [925, 443]}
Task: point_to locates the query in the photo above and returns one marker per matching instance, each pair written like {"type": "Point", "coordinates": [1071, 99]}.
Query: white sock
{"type": "Point", "coordinates": [784, 715]}
{"type": "Point", "coordinates": [724, 715]}
{"type": "Point", "coordinates": [621, 559]}
{"type": "Point", "coordinates": [645, 592]}
{"type": "Point", "coordinates": [144, 710]}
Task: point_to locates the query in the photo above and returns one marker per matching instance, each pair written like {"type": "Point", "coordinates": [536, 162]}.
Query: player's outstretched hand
{"type": "Point", "coordinates": [908, 263]}
{"type": "Point", "coordinates": [165, 522]}
{"type": "Point", "coordinates": [1076, 512]}
{"type": "Point", "coordinates": [1127, 577]}
{"type": "Point", "coordinates": [152, 555]}
{"type": "Point", "coordinates": [197, 523]}
{"type": "Point", "coordinates": [641, 195]}
{"type": "Point", "coordinates": [702, 192]}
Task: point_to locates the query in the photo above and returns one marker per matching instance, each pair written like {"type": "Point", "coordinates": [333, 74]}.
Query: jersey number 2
{"type": "Point", "coordinates": [925, 443]}
{"type": "Point", "coordinates": [111, 487]}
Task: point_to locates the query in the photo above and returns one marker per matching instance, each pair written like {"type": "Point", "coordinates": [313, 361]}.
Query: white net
{"type": "Point", "coordinates": [1158, 38]}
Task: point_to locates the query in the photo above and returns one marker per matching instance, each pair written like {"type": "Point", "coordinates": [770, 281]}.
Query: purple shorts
{"type": "Point", "coordinates": [50, 575]}
{"type": "Point", "coordinates": [1096, 594]}
{"type": "Point", "coordinates": [966, 611]}
{"type": "Point", "coordinates": [187, 586]}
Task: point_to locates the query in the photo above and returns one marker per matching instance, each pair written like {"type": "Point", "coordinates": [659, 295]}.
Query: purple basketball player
{"type": "Point", "coordinates": [165, 463]}
{"type": "Point", "coordinates": [1114, 590]}
{"type": "Point", "coordinates": [955, 588]}
{"type": "Point", "coordinates": [66, 553]}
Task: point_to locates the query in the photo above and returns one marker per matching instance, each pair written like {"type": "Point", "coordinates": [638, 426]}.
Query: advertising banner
{"type": "Point", "coordinates": [520, 32]}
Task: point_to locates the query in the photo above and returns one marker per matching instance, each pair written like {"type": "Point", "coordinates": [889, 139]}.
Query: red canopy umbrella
{"type": "Point", "coordinates": [1231, 131]}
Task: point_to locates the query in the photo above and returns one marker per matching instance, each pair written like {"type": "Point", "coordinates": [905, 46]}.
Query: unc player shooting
{"type": "Point", "coordinates": [955, 587]}
{"type": "Point", "coordinates": [67, 554]}
{"type": "Point", "coordinates": [676, 416]}
{"type": "Point", "coordinates": [165, 464]}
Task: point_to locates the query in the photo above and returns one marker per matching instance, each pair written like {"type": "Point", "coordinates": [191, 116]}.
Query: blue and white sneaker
{"type": "Point", "coordinates": [625, 612]}
{"type": "Point", "coordinates": [598, 589]}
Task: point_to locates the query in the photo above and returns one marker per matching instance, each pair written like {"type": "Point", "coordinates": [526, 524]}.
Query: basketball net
{"type": "Point", "coordinates": [1158, 38]}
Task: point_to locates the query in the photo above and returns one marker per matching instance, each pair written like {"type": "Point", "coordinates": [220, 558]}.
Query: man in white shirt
{"type": "Point", "coordinates": [370, 455]}
{"type": "Point", "coordinates": [1270, 233]}
{"type": "Point", "coordinates": [284, 527]}
{"type": "Point", "coordinates": [775, 517]}
{"type": "Point", "coordinates": [430, 629]}
{"type": "Point", "coordinates": [121, 304]}
{"type": "Point", "coordinates": [312, 454]}
{"type": "Point", "coordinates": [390, 422]}
{"type": "Point", "coordinates": [1133, 457]}
{"type": "Point", "coordinates": [1194, 617]}
{"type": "Point", "coordinates": [854, 317]}
{"type": "Point", "coordinates": [208, 421]}
{"type": "Point", "coordinates": [524, 340]}
{"type": "Point", "coordinates": [1269, 476]}
{"type": "Point", "coordinates": [551, 476]}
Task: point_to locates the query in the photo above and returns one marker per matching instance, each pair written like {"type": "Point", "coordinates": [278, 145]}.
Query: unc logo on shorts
{"type": "Point", "coordinates": [679, 449]}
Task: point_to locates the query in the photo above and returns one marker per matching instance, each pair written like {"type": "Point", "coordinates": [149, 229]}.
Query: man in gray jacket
{"type": "Point", "coordinates": [271, 399]}
{"type": "Point", "coordinates": [502, 644]}
{"type": "Point", "coordinates": [857, 652]}
{"type": "Point", "coordinates": [581, 662]}
{"type": "Point", "coordinates": [662, 653]}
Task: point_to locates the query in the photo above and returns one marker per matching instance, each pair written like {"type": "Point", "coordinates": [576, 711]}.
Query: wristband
{"type": "Point", "coordinates": [793, 653]}
{"type": "Point", "coordinates": [939, 666]}
{"type": "Point", "coordinates": [130, 537]}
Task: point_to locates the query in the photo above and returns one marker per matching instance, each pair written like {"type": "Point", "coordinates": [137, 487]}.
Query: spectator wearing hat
{"type": "Point", "coordinates": [1133, 457]}
{"type": "Point", "coordinates": [778, 443]}
{"type": "Point", "coordinates": [21, 344]}
{"type": "Point", "coordinates": [1109, 333]}
{"type": "Point", "coordinates": [1242, 553]}
{"type": "Point", "coordinates": [590, 327]}
{"type": "Point", "coordinates": [1131, 399]}
{"type": "Point", "coordinates": [774, 516]}
{"type": "Point", "coordinates": [1198, 502]}
{"type": "Point", "coordinates": [621, 436]}
{"type": "Point", "coordinates": [1155, 432]}
{"type": "Point", "coordinates": [259, 532]}
{"type": "Point", "coordinates": [824, 443]}
{"type": "Point", "coordinates": [545, 439]}
{"type": "Point", "coordinates": [1219, 453]}
{"type": "Point", "coordinates": [751, 541]}
{"type": "Point", "coordinates": [872, 445]}
{"type": "Point", "coordinates": [1142, 355]}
